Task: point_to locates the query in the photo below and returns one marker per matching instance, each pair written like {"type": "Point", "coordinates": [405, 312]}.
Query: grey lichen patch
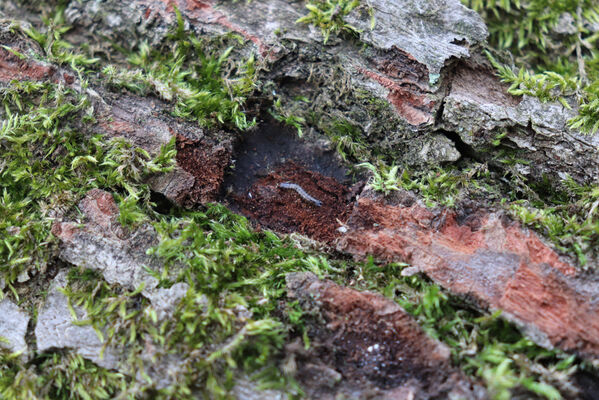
{"type": "Point", "coordinates": [104, 245]}
{"type": "Point", "coordinates": [13, 327]}
{"type": "Point", "coordinates": [537, 131]}
{"type": "Point", "coordinates": [64, 325]}
{"type": "Point", "coordinates": [438, 148]}
{"type": "Point", "coordinates": [56, 328]}
{"type": "Point", "coordinates": [165, 301]}
{"type": "Point", "coordinates": [431, 31]}
{"type": "Point", "coordinates": [106, 19]}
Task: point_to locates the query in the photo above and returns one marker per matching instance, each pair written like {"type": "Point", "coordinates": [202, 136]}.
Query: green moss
{"type": "Point", "coordinates": [554, 47]}
{"type": "Point", "coordinates": [47, 165]}
{"type": "Point", "coordinates": [235, 316]}
{"type": "Point", "coordinates": [383, 180]}
{"type": "Point", "coordinates": [284, 115]}
{"type": "Point", "coordinates": [328, 15]}
{"type": "Point", "coordinates": [568, 217]}
{"type": "Point", "coordinates": [59, 376]}
{"type": "Point", "coordinates": [204, 86]}
{"type": "Point", "coordinates": [224, 324]}
{"type": "Point", "coordinates": [347, 138]}
{"type": "Point", "coordinates": [437, 187]}
{"type": "Point", "coordinates": [340, 112]}
{"type": "Point", "coordinates": [56, 49]}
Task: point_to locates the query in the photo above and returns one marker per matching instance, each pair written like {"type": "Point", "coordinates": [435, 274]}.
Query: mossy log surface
{"type": "Point", "coordinates": [143, 285]}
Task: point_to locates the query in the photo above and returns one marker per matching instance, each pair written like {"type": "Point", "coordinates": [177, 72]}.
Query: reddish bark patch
{"type": "Point", "coordinates": [206, 161]}
{"type": "Point", "coordinates": [100, 207]}
{"type": "Point", "coordinates": [487, 258]}
{"type": "Point", "coordinates": [198, 4]}
{"type": "Point", "coordinates": [100, 210]}
{"type": "Point", "coordinates": [204, 11]}
{"type": "Point", "coordinates": [410, 105]}
{"type": "Point", "coordinates": [407, 82]}
{"type": "Point", "coordinates": [69, 79]}
{"type": "Point", "coordinates": [118, 128]}
{"type": "Point", "coordinates": [371, 340]}
{"type": "Point", "coordinates": [285, 210]}
{"type": "Point", "coordinates": [14, 68]}
{"type": "Point", "coordinates": [408, 99]}
{"type": "Point", "coordinates": [64, 230]}
{"type": "Point", "coordinates": [565, 310]}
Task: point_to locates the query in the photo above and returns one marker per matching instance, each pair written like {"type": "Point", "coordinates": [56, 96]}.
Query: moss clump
{"type": "Point", "coordinates": [203, 86]}
{"type": "Point", "coordinates": [328, 15]}
{"type": "Point", "coordinates": [58, 376]}
{"type": "Point", "coordinates": [553, 43]}
{"type": "Point", "coordinates": [347, 139]}
{"type": "Point", "coordinates": [229, 320]}
{"type": "Point", "coordinates": [568, 217]}
{"type": "Point", "coordinates": [438, 187]}
{"type": "Point", "coordinates": [48, 164]}
{"type": "Point", "coordinates": [57, 50]}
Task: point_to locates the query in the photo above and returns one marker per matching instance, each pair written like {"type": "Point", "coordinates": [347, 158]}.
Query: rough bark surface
{"type": "Point", "coordinates": [419, 93]}
{"type": "Point", "coordinates": [486, 257]}
{"type": "Point", "coordinates": [202, 156]}
{"type": "Point", "coordinates": [13, 327]}
{"type": "Point", "coordinates": [478, 109]}
{"type": "Point", "coordinates": [401, 70]}
{"type": "Point", "coordinates": [55, 328]}
{"type": "Point", "coordinates": [372, 345]}
{"type": "Point", "coordinates": [410, 62]}
{"type": "Point", "coordinates": [102, 244]}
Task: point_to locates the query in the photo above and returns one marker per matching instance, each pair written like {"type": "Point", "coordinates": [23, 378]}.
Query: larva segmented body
{"type": "Point", "coordinates": [301, 192]}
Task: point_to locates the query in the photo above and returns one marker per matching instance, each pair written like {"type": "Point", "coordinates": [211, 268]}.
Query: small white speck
{"type": "Point", "coordinates": [23, 277]}
{"type": "Point", "coordinates": [372, 348]}
{"type": "Point", "coordinates": [410, 271]}
{"type": "Point", "coordinates": [250, 195]}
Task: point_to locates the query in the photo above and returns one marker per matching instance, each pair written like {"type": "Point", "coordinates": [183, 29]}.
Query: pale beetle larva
{"type": "Point", "coordinates": [301, 192]}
